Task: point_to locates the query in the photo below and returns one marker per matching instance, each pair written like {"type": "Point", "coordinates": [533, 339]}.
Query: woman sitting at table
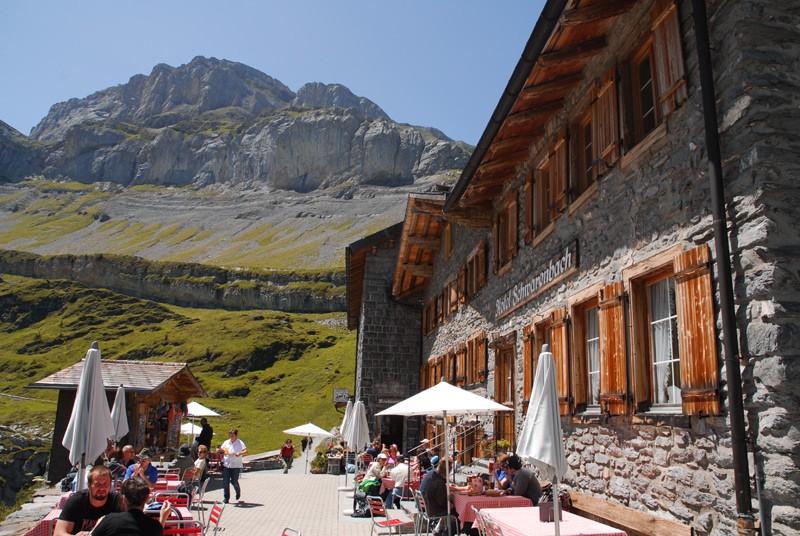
{"type": "Point", "coordinates": [134, 522]}
{"type": "Point", "coordinates": [524, 483]}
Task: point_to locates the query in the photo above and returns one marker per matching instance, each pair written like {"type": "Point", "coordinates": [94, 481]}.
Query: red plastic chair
{"type": "Point", "coordinates": [183, 526]}
{"type": "Point", "coordinates": [392, 525]}
{"type": "Point", "coordinates": [213, 518]}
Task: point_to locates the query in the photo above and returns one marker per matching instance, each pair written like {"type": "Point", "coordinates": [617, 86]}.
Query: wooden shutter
{"type": "Point", "coordinates": [461, 365]}
{"type": "Point", "coordinates": [481, 264]}
{"type": "Point", "coordinates": [512, 221]}
{"type": "Point", "coordinates": [496, 238]}
{"type": "Point", "coordinates": [481, 356]}
{"type": "Point", "coordinates": [579, 362]}
{"type": "Point", "coordinates": [697, 341]}
{"type": "Point", "coordinates": [558, 174]}
{"type": "Point", "coordinates": [527, 366]}
{"type": "Point", "coordinates": [605, 128]}
{"type": "Point", "coordinates": [462, 284]}
{"type": "Point", "coordinates": [668, 56]}
{"type": "Point", "coordinates": [613, 369]}
{"type": "Point", "coordinates": [528, 193]}
{"type": "Point", "coordinates": [559, 348]}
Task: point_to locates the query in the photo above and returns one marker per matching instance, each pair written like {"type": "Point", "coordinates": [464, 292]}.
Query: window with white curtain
{"type": "Point", "coordinates": [666, 365]}
{"type": "Point", "coordinates": [593, 357]}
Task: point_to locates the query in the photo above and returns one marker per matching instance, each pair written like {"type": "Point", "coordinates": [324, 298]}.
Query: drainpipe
{"type": "Point", "coordinates": [745, 520]}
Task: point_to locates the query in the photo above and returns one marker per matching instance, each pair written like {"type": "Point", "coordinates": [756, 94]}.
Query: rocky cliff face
{"type": "Point", "coordinates": [219, 122]}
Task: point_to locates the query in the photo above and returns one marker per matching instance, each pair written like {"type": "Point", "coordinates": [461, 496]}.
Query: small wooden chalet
{"type": "Point", "coordinates": [156, 395]}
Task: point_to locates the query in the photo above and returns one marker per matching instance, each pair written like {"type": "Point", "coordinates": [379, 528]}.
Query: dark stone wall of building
{"type": "Point", "coordinates": [388, 350]}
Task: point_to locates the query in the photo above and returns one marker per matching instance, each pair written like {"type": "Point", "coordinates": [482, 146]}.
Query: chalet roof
{"type": "Point", "coordinates": [355, 259]}
{"type": "Point", "coordinates": [136, 376]}
{"type": "Point", "coordinates": [563, 41]}
{"type": "Point", "coordinates": [419, 243]}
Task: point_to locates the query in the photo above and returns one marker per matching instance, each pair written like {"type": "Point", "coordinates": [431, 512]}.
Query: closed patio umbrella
{"type": "Point", "coordinates": [90, 423]}
{"type": "Point", "coordinates": [540, 441]}
{"type": "Point", "coordinates": [119, 415]}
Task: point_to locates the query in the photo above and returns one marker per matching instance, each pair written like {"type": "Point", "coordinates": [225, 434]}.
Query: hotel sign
{"type": "Point", "coordinates": [546, 275]}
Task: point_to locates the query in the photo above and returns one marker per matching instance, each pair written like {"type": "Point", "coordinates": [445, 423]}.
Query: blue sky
{"type": "Point", "coordinates": [436, 63]}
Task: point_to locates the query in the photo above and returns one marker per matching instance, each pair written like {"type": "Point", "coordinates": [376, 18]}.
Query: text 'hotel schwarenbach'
{"type": "Point", "coordinates": [632, 203]}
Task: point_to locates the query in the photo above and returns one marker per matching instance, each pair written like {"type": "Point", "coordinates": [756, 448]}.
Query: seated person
{"type": "Point", "coordinates": [371, 484]}
{"type": "Point", "coordinates": [84, 508]}
{"type": "Point", "coordinates": [435, 496]}
{"type": "Point", "coordinates": [375, 449]}
{"type": "Point", "coordinates": [144, 469]}
{"type": "Point", "coordinates": [499, 476]}
{"type": "Point", "coordinates": [201, 464]}
{"type": "Point", "coordinates": [524, 481]}
{"type": "Point", "coordinates": [134, 521]}
{"type": "Point", "coordinates": [184, 460]}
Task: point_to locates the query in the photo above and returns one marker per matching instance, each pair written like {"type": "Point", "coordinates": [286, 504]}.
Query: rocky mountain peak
{"type": "Point", "coordinates": [319, 95]}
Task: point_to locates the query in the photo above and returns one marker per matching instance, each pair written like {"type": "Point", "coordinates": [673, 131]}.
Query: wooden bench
{"type": "Point", "coordinates": [633, 522]}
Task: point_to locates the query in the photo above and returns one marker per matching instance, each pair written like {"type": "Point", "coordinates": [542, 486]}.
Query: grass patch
{"type": "Point", "coordinates": [263, 370]}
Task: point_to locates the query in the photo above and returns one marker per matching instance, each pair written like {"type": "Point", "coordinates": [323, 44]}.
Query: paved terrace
{"type": "Point", "coordinates": [270, 501]}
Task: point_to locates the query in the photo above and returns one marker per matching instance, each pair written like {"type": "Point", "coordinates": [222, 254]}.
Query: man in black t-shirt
{"type": "Point", "coordinates": [84, 508]}
{"type": "Point", "coordinates": [134, 522]}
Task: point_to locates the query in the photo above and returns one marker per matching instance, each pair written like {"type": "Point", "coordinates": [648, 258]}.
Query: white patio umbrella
{"type": "Point", "coordinates": [444, 399]}
{"type": "Point", "coordinates": [196, 409]}
{"type": "Point", "coordinates": [540, 441]}
{"type": "Point", "coordinates": [90, 423]}
{"type": "Point", "coordinates": [190, 429]}
{"type": "Point", "coordinates": [308, 429]}
{"type": "Point", "coordinates": [119, 415]}
{"type": "Point", "coordinates": [357, 432]}
{"type": "Point", "coordinates": [346, 418]}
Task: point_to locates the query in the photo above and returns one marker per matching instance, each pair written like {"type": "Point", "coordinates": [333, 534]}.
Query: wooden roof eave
{"type": "Point", "coordinates": [522, 94]}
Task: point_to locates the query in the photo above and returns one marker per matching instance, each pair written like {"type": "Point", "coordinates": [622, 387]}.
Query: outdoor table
{"type": "Point", "coordinates": [46, 526]}
{"type": "Point", "coordinates": [525, 522]}
{"type": "Point", "coordinates": [462, 503]}
{"type": "Point", "coordinates": [183, 511]}
{"type": "Point", "coordinates": [163, 484]}
{"type": "Point", "coordinates": [386, 483]}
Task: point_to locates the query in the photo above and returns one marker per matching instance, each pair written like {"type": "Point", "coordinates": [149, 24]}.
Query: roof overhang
{"type": "Point", "coordinates": [568, 34]}
{"type": "Point", "coordinates": [136, 376]}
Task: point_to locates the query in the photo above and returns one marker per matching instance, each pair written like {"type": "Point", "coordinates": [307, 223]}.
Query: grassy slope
{"type": "Point", "coordinates": [265, 370]}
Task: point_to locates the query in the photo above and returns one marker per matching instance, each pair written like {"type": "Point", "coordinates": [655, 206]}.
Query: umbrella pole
{"type": "Point", "coordinates": [556, 507]}
{"type": "Point", "coordinates": [447, 480]}
{"type": "Point", "coordinates": [81, 476]}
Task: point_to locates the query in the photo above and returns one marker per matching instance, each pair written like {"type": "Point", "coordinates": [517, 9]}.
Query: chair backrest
{"type": "Point", "coordinates": [376, 505]}
{"type": "Point", "coordinates": [419, 502]}
{"type": "Point", "coordinates": [183, 526]}
{"type": "Point", "coordinates": [201, 490]}
{"type": "Point", "coordinates": [175, 498]}
{"type": "Point", "coordinates": [188, 474]}
{"type": "Point", "coordinates": [288, 531]}
{"type": "Point", "coordinates": [214, 517]}
{"type": "Point", "coordinates": [490, 527]}
{"type": "Point", "coordinates": [478, 524]}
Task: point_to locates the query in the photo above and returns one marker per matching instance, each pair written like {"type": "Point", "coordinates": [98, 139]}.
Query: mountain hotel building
{"type": "Point", "coordinates": [633, 203]}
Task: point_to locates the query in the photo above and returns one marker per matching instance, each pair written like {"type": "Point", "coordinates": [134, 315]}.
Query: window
{"type": "Point", "coordinates": [595, 136]}
{"type": "Point", "coordinates": [504, 425]}
{"type": "Point", "coordinates": [505, 233]}
{"type": "Point", "coordinates": [599, 371]}
{"type": "Point", "coordinates": [674, 345]}
{"type": "Point", "coordinates": [653, 77]}
{"type": "Point", "coordinates": [476, 358]}
{"type": "Point", "coordinates": [553, 332]}
{"type": "Point", "coordinates": [548, 193]}
{"type": "Point", "coordinates": [664, 354]}
{"type": "Point", "coordinates": [476, 269]}
{"type": "Point", "coordinates": [592, 345]}
{"type": "Point", "coordinates": [461, 365]}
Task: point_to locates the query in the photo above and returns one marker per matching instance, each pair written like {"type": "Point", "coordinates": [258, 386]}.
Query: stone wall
{"type": "Point", "coordinates": [388, 351]}
{"type": "Point", "coordinates": [680, 467]}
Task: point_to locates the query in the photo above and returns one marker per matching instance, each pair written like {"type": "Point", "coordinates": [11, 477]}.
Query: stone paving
{"type": "Point", "coordinates": [272, 500]}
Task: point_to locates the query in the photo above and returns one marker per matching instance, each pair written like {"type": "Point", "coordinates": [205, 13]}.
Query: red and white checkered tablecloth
{"type": "Point", "coordinates": [462, 503]}
{"type": "Point", "coordinates": [46, 526]}
{"type": "Point", "coordinates": [525, 522]}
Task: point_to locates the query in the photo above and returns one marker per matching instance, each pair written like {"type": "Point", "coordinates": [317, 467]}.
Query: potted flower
{"type": "Point", "coordinates": [490, 446]}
